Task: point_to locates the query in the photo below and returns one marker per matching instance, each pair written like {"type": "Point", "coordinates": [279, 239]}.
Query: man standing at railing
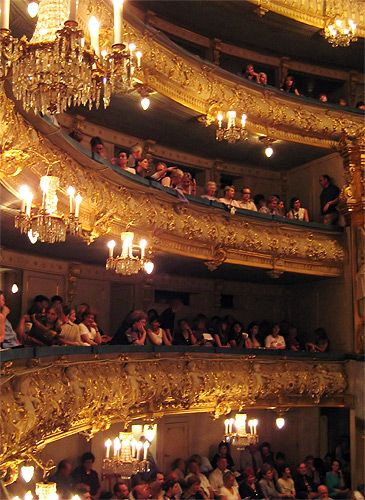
{"type": "Point", "coordinates": [329, 199]}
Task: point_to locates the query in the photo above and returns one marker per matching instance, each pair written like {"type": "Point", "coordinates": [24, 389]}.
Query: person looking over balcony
{"type": "Point", "coordinates": [160, 174]}
{"type": "Point", "coordinates": [320, 343]}
{"type": "Point", "coordinates": [288, 85]}
{"type": "Point", "coordinates": [262, 78]}
{"type": "Point", "coordinates": [342, 102]}
{"type": "Point", "coordinates": [251, 342]}
{"type": "Point", "coordinates": [329, 199]}
{"type": "Point", "coordinates": [250, 73]}
{"type": "Point", "coordinates": [221, 337]}
{"type": "Point", "coordinates": [228, 198]}
{"type": "Point", "coordinates": [210, 191]}
{"type": "Point", "coordinates": [281, 208]}
{"type": "Point", "coordinates": [236, 335]}
{"type": "Point", "coordinates": [360, 105]}
{"type": "Point", "coordinates": [98, 148]}
{"type": "Point", "coordinates": [136, 334]}
{"type": "Point", "coordinates": [135, 155]}
{"type": "Point", "coordinates": [184, 334]}
{"type": "Point", "coordinates": [70, 331]}
{"type": "Point", "coordinates": [188, 184]}
{"type": "Point", "coordinates": [323, 98]}
{"type": "Point", "coordinates": [157, 335]}
{"type": "Point", "coordinates": [274, 340]}
{"type": "Point", "coordinates": [176, 177]}
{"type": "Point", "coordinates": [296, 211]}
{"type": "Point", "coordinates": [293, 342]}
{"type": "Point", "coordinates": [8, 337]}
{"type": "Point", "coordinates": [246, 203]}
{"type": "Point", "coordinates": [142, 167]}
{"type": "Point", "coordinates": [122, 162]}
{"type": "Point", "coordinates": [47, 330]}
{"type": "Point", "coordinates": [272, 206]}
{"type": "Point", "coordinates": [260, 203]}
{"type": "Point", "coordinates": [88, 333]}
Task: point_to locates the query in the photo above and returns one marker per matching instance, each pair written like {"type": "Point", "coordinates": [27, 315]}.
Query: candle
{"type": "Point", "coordinates": [226, 424]}
{"type": "Point", "coordinates": [139, 447]}
{"type": "Point", "coordinates": [116, 446]}
{"type": "Point", "coordinates": [71, 193]}
{"type": "Point", "coordinates": [118, 21]}
{"type": "Point", "coordinates": [28, 203]}
{"type": "Point", "coordinates": [133, 446]}
{"type": "Point", "coordinates": [111, 246]}
{"type": "Point", "coordinates": [145, 449]}
{"type": "Point", "coordinates": [220, 119]}
{"type": "Point", "coordinates": [143, 244]}
{"type": "Point", "coordinates": [138, 56]}
{"type": "Point", "coordinates": [108, 444]}
{"type": "Point", "coordinates": [73, 8]}
{"type": "Point", "coordinates": [78, 201]}
{"type": "Point", "coordinates": [23, 193]}
{"type": "Point", "coordinates": [132, 48]}
{"type": "Point", "coordinates": [243, 120]}
{"type": "Point", "coordinates": [4, 14]}
{"type": "Point", "coordinates": [94, 26]}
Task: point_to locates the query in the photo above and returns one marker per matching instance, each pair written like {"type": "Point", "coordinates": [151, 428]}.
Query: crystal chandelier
{"type": "Point", "coordinates": [46, 224]}
{"type": "Point", "coordinates": [241, 437]}
{"type": "Point", "coordinates": [132, 259]}
{"type": "Point", "coordinates": [126, 455]}
{"type": "Point", "coordinates": [339, 32]}
{"type": "Point", "coordinates": [57, 68]}
{"type": "Point", "coordinates": [232, 132]}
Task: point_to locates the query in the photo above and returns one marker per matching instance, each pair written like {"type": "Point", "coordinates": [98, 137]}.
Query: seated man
{"type": "Point", "coordinates": [216, 476]}
{"type": "Point", "coordinates": [97, 148]}
{"type": "Point", "coordinates": [210, 191]}
{"type": "Point", "coordinates": [160, 174]}
{"type": "Point", "coordinates": [228, 198]}
{"type": "Point", "coordinates": [303, 483]}
{"type": "Point", "coordinates": [46, 331]}
{"type": "Point", "coordinates": [135, 156]}
{"type": "Point", "coordinates": [122, 162]}
{"type": "Point", "coordinates": [136, 333]}
{"type": "Point", "coordinates": [246, 202]}
{"type": "Point", "coordinates": [121, 490]}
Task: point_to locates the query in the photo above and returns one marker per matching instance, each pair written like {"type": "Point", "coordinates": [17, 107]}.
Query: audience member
{"type": "Point", "coordinates": [193, 490]}
{"type": "Point", "coordinates": [260, 203]}
{"type": "Point", "coordinates": [262, 78]}
{"type": "Point", "coordinates": [297, 211]}
{"type": "Point", "coordinates": [176, 178]}
{"type": "Point", "coordinates": [223, 452]}
{"type": "Point", "coordinates": [289, 85]}
{"type": "Point", "coordinates": [142, 167]}
{"type": "Point", "coordinates": [193, 469]}
{"type": "Point", "coordinates": [323, 98]}
{"type": "Point", "coordinates": [250, 73]}
{"type": "Point", "coordinates": [136, 333]}
{"type": "Point", "coordinates": [267, 484]}
{"type": "Point", "coordinates": [321, 342]}
{"type": "Point", "coordinates": [178, 467]}
{"type": "Point", "coordinates": [360, 105]}
{"type": "Point", "coordinates": [286, 483]}
{"type": "Point", "coordinates": [210, 191]}
{"type": "Point", "coordinates": [121, 490]}
{"type": "Point", "coordinates": [229, 490]}
{"type": "Point", "coordinates": [249, 488]}
{"type": "Point", "coordinates": [236, 335]}
{"type": "Point", "coordinates": [329, 199]}
{"type": "Point", "coordinates": [8, 337]}
{"type": "Point", "coordinates": [216, 476]}
{"type": "Point", "coordinates": [142, 491]}
{"type": "Point", "coordinates": [342, 102]}
{"type": "Point", "coordinates": [246, 202]}
{"type": "Point", "coordinates": [293, 342]}
{"type": "Point", "coordinates": [168, 316]}
{"type": "Point", "coordinates": [335, 481]}
{"type": "Point", "coordinates": [172, 489]}
{"type": "Point", "coordinates": [135, 155]}
{"type": "Point", "coordinates": [89, 332]}
{"type": "Point", "coordinates": [275, 341]}
{"type": "Point", "coordinates": [184, 334]}
{"type": "Point", "coordinates": [228, 198]}
{"type": "Point", "coordinates": [251, 342]}
{"type": "Point", "coordinates": [161, 174]}
{"type": "Point", "coordinates": [63, 479]}
{"type": "Point", "coordinates": [85, 474]}
{"type": "Point", "coordinates": [188, 184]}
{"type": "Point", "coordinates": [122, 162]}
{"type": "Point", "coordinates": [323, 492]}
{"type": "Point", "coordinates": [157, 335]}
{"type": "Point", "coordinates": [221, 336]}
{"type": "Point", "coordinates": [81, 308]}
{"type": "Point", "coordinates": [250, 458]}
{"type": "Point", "coordinates": [46, 331]}
{"type": "Point", "coordinates": [304, 486]}
{"type": "Point", "coordinates": [97, 148]}
{"type": "Point", "coordinates": [70, 331]}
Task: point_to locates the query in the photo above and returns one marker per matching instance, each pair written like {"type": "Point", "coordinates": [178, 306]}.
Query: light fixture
{"type": "Point", "coordinates": [126, 454]}
{"type": "Point", "coordinates": [46, 491]}
{"type": "Point", "coordinates": [339, 32]}
{"type": "Point", "coordinates": [145, 103]}
{"type": "Point", "coordinates": [132, 258]}
{"type": "Point", "coordinates": [33, 8]}
{"type": "Point", "coordinates": [241, 436]}
{"type": "Point", "coordinates": [27, 472]}
{"type": "Point", "coordinates": [232, 131]}
{"type": "Point", "coordinates": [46, 224]}
{"type": "Point", "coordinates": [280, 422]}
{"type": "Point", "coordinates": [14, 288]}
{"type": "Point", "coordinates": [28, 495]}
{"type": "Point", "coordinates": [267, 142]}
{"type": "Point", "coordinates": [269, 151]}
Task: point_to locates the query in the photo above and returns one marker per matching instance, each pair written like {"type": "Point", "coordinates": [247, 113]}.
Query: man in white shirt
{"type": "Point", "coordinates": [216, 477]}
{"type": "Point", "coordinates": [194, 470]}
{"type": "Point", "coordinates": [246, 201]}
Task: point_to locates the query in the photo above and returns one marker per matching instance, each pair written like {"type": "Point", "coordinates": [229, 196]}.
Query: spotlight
{"type": "Point", "coordinates": [280, 422]}
{"type": "Point", "coordinates": [33, 9]}
{"type": "Point", "coordinates": [145, 103]}
{"type": "Point", "coordinates": [269, 151]}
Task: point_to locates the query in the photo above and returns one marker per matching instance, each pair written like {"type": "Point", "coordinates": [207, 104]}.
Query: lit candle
{"type": "Point", "coordinates": [108, 444]}
{"type": "Point", "coordinates": [139, 57]}
{"type": "Point", "coordinates": [28, 204]}
{"type": "Point", "coordinates": [226, 424]}
{"type": "Point", "coordinates": [78, 201]}
{"type": "Point", "coordinates": [243, 120]}
{"type": "Point", "coordinates": [143, 244]}
{"type": "Point", "coordinates": [145, 449]}
{"type": "Point", "coordinates": [132, 48]}
{"type": "Point", "coordinates": [127, 239]}
{"type": "Point", "coordinates": [94, 26]}
{"type": "Point", "coordinates": [118, 21]}
{"type": "Point", "coordinates": [71, 193]}
{"type": "Point", "coordinates": [231, 115]}
{"type": "Point", "coordinates": [116, 446]}
{"type": "Point", "coordinates": [139, 447]}
{"type": "Point", "coordinates": [28, 495]}
{"type": "Point", "coordinates": [133, 446]}
{"type": "Point", "coordinates": [111, 246]}
{"type": "Point", "coordinates": [4, 14]}
{"type": "Point", "coordinates": [23, 193]}
{"type": "Point", "coordinates": [220, 119]}
{"type": "Point", "coordinates": [73, 8]}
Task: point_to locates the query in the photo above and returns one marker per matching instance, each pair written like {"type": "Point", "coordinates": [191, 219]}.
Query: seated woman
{"type": "Point", "coordinates": [293, 342]}
{"type": "Point", "coordinates": [194, 490]}
{"type": "Point", "coordinates": [297, 211]}
{"type": "Point", "coordinates": [335, 482]}
{"type": "Point", "coordinates": [98, 148]}
{"type": "Point", "coordinates": [201, 331]}
{"type": "Point", "coordinates": [136, 334]}
{"type": "Point", "coordinates": [251, 342]}
{"type": "Point", "coordinates": [46, 331]}
{"type": "Point", "coordinates": [260, 203]}
{"type": "Point", "coordinates": [288, 85]}
{"type": "Point", "coordinates": [229, 490]}
{"type": "Point", "coordinates": [188, 184]}
{"type": "Point", "coordinates": [70, 331]}
{"type": "Point", "coordinates": [262, 78]}
{"type": "Point", "coordinates": [321, 341]}
{"type": "Point", "coordinates": [176, 178]}
{"type": "Point", "coordinates": [236, 335]}
{"type": "Point", "coordinates": [157, 335]}
{"type": "Point", "coordinates": [267, 484]}
{"type": "Point", "coordinates": [210, 191]}
{"type": "Point", "coordinates": [274, 340]}
{"type": "Point", "coordinates": [221, 337]}
{"type": "Point", "coordinates": [178, 467]}
{"type": "Point", "coordinates": [88, 333]}
{"type": "Point", "coordinates": [223, 452]}
{"type": "Point", "coordinates": [142, 167]}
{"type": "Point", "coordinates": [184, 334]}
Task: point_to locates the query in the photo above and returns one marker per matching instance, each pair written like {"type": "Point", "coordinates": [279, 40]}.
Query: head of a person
{"type": "Point", "coordinates": [151, 315]}
{"type": "Point", "coordinates": [158, 476]}
{"type": "Point", "coordinates": [97, 146]}
{"type": "Point", "coordinates": [250, 476]}
{"type": "Point", "coordinates": [211, 188]}
{"type": "Point", "coordinates": [286, 471]}
{"type": "Point", "coordinates": [342, 102]}
{"type": "Point", "coordinates": [250, 70]}
{"type": "Point", "coordinates": [2, 299]}
{"type": "Point", "coordinates": [193, 467]}
{"type": "Point", "coordinates": [259, 201]}
{"type": "Point", "coordinates": [176, 176]}
{"type": "Point", "coordinates": [87, 461]}
{"type": "Point", "coordinates": [267, 472]}
{"type": "Point", "coordinates": [295, 203]}
{"type": "Point", "coordinates": [193, 484]}
{"type": "Point", "coordinates": [51, 315]}
{"type": "Point", "coordinates": [123, 159]}
{"type": "Point", "coordinates": [262, 78]}
{"type": "Point", "coordinates": [273, 203]}
{"type": "Point", "coordinates": [237, 328]}
{"type": "Point", "coordinates": [335, 465]}
{"type": "Point", "coordinates": [229, 192]}
{"type": "Point", "coordinates": [81, 308]}
{"type": "Point", "coordinates": [222, 463]}
{"type": "Point", "coordinates": [293, 332]}
{"type": "Point", "coordinates": [142, 491]}
{"type": "Point", "coordinates": [302, 469]}
{"type": "Point", "coordinates": [56, 300]}
{"type": "Point", "coordinates": [143, 164]}
{"type": "Point", "coordinates": [275, 329]}
{"type": "Point", "coordinates": [155, 324]}
{"type": "Point", "coordinates": [201, 323]}
{"type": "Point", "coordinates": [253, 328]}
{"type": "Point", "coordinates": [324, 180]}
{"type": "Point", "coordinates": [322, 491]}
{"type": "Point", "coordinates": [179, 463]}
{"type": "Point", "coordinates": [360, 105]}
{"type": "Point", "coordinates": [64, 468]}
{"type": "Point", "coordinates": [171, 488]}
{"type": "Point", "coordinates": [69, 313]}
{"type": "Point", "coordinates": [183, 324]}
{"type": "Point", "coordinates": [228, 479]}
{"type": "Point", "coordinates": [155, 489]}
{"type": "Point", "coordinates": [88, 318]}
{"type": "Point", "coordinates": [83, 491]}
{"type": "Point", "coordinates": [323, 98]}
{"type": "Point", "coordinates": [265, 449]}
{"type": "Point", "coordinates": [320, 334]}
{"type": "Point", "coordinates": [138, 319]}
{"type": "Point", "coordinates": [41, 302]}
{"type": "Point", "coordinates": [121, 490]}
{"type": "Point", "coordinates": [246, 193]}
{"type": "Point", "coordinates": [289, 81]}
{"type": "Point", "coordinates": [136, 151]}
{"type": "Point", "coordinates": [223, 449]}
{"type": "Point", "coordinates": [161, 167]}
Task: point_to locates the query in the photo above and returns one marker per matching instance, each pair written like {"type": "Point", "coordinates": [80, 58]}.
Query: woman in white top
{"type": "Point", "coordinates": [275, 341]}
{"type": "Point", "coordinates": [156, 334]}
{"type": "Point", "coordinates": [70, 331]}
{"type": "Point", "coordinates": [88, 333]}
{"type": "Point", "coordinates": [296, 211]}
{"type": "Point", "coordinates": [229, 489]}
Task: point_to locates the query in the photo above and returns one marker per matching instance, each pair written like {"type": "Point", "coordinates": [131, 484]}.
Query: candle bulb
{"type": "Point", "coordinates": [28, 202]}
{"type": "Point", "coordinates": [111, 246]}
{"type": "Point", "coordinates": [243, 120]}
{"type": "Point", "coordinates": [139, 447]}
{"type": "Point", "coordinates": [23, 193]}
{"type": "Point", "coordinates": [116, 446]}
{"type": "Point", "coordinates": [4, 14]}
{"type": "Point", "coordinates": [71, 193]}
{"type": "Point", "coordinates": [226, 422]}
{"type": "Point", "coordinates": [139, 57]}
{"type": "Point", "coordinates": [108, 444]}
{"type": "Point", "coordinates": [94, 26]}
{"type": "Point", "coordinates": [118, 21]}
{"type": "Point", "coordinates": [143, 244]}
{"type": "Point", "coordinates": [220, 119]}
{"type": "Point", "coordinates": [145, 449]}
{"type": "Point", "coordinates": [78, 201]}
{"type": "Point", "coordinates": [73, 9]}
{"type": "Point", "coordinates": [133, 446]}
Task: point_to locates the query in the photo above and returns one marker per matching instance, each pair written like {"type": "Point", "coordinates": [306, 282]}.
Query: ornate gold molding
{"type": "Point", "coordinates": [112, 202]}
{"type": "Point", "coordinates": [48, 398]}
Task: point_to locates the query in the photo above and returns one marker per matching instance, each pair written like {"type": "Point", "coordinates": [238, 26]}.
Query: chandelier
{"type": "Point", "coordinates": [231, 132]}
{"type": "Point", "coordinates": [241, 437]}
{"type": "Point", "coordinates": [58, 68]}
{"type": "Point", "coordinates": [46, 224]}
{"type": "Point", "coordinates": [126, 455]}
{"type": "Point", "coordinates": [339, 32]}
{"type": "Point", "coordinates": [132, 259]}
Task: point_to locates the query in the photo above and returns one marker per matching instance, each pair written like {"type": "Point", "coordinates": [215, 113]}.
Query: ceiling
{"type": "Point", "coordinates": [237, 22]}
